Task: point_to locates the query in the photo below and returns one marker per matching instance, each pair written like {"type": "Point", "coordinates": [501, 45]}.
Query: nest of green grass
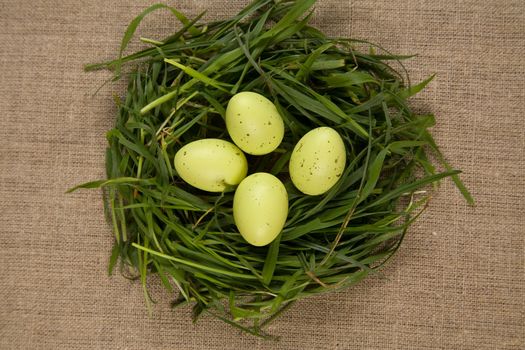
{"type": "Point", "coordinates": [177, 93]}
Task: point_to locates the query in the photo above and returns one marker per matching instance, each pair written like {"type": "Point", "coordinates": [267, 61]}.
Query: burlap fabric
{"type": "Point", "coordinates": [457, 283]}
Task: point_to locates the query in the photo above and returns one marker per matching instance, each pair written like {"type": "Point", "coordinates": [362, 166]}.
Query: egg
{"type": "Point", "coordinates": [260, 208]}
{"type": "Point", "coordinates": [318, 161]}
{"type": "Point", "coordinates": [212, 165]}
{"type": "Point", "coordinates": [254, 123]}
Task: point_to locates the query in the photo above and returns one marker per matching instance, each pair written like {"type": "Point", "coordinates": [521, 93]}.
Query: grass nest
{"type": "Point", "coordinates": [177, 93]}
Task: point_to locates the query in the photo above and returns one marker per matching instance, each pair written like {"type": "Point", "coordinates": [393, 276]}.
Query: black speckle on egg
{"type": "Point", "coordinates": [184, 153]}
{"type": "Point", "coordinates": [269, 123]}
{"type": "Point", "coordinates": [248, 135]}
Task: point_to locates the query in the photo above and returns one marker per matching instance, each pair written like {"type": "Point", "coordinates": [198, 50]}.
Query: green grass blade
{"type": "Point", "coordinates": [130, 31]}
{"type": "Point", "coordinates": [271, 260]}
{"type": "Point", "coordinates": [197, 75]}
{"type": "Point", "coordinates": [411, 91]}
{"type": "Point", "coordinates": [104, 183]}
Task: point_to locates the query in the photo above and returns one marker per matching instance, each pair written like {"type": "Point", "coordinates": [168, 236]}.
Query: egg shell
{"type": "Point", "coordinates": [254, 123]}
{"type": "Point", "coordinates": [260, 208]}
{"type": "Point", "coordinates": [212, 165]}
{"type": "Point", "coordinates": [318, 161]}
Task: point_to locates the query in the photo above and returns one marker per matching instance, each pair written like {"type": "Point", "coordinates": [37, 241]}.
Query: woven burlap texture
{"type": "Point", "coordinates": [457, 282]}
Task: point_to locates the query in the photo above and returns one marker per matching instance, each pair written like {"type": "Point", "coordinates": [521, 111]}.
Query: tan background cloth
{"type": "Point", "coordinates": [457, 283]}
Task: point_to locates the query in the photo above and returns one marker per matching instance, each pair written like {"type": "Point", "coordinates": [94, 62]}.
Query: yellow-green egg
{"type": "Point", "coordinates": [212, 165]}
{"type": "Point", "coordinates": [254, 123]}
{"type": "Point", "coordinates": [260, 208]}
{"type": "Point", "coordinates": [318, 161]}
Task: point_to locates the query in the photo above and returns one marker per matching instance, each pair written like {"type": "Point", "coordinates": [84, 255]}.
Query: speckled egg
{"type": "Point", "coordinates": [212, 165]}
{"type": "Point", "coordinates": [318, 161]}
{"type": "Point", "coordinates": [254, 123]}
{"type": "Point", "coordinates": [260, 208]}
